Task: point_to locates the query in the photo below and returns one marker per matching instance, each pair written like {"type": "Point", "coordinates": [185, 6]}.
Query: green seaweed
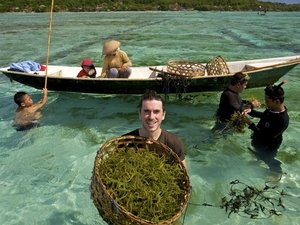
{"type": "Point", "coordinates": [237, 122]}
{"type": "Point", "coordinates": [143, 182]}
{"type": "Point", "coordinates": [252, 202]}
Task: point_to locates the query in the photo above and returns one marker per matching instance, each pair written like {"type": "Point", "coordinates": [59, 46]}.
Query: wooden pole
{"type": "Point", "coordinates": [49, 40]}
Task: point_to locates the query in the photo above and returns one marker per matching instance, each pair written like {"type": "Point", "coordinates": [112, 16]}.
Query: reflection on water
{"type": "Point", "coordinates": [45, 172]}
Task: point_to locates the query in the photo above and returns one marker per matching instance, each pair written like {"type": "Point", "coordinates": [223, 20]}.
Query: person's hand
{"type": "Point", "coordinates": [45, 91]}
{"type": "Point", "coordinates": [255, 103]}
{"type": "Point", "coordinates": [123, 68]}
{"type": "Point", "coordinates": [246, 111]}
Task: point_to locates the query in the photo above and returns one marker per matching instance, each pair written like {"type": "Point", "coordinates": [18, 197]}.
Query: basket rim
{"type": "Point", "coordinates": [186, 68]}
{"type": "Point", "coordinates": [185, 61]}
{"type": "Point", "coordinates": [187, 186]}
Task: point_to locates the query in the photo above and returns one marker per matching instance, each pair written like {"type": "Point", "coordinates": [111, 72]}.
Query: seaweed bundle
{"type": "Point", "coordinates": [237, 122]}
{"type": "Point", "coordinates": [252, 202]}
{"type": "Point", "coordinates": [143, 182]}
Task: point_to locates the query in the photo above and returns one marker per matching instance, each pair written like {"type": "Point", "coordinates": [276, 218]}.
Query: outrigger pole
{"type": "Point", "coordinates": [49, 39]}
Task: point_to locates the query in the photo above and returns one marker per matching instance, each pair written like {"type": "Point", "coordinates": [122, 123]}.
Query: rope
{"type": "Point", "coordinates": [49, 38]}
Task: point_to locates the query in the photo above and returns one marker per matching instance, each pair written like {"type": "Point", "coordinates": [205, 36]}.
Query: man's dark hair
{"type": "Point", "coordinates": [18, 98]}
{"type": "Point", "coordinates": [151, 95]}
{"type": "Point", "coordinates": [239, 77]}
{"type": "Point", "coordinates": [275, 92]}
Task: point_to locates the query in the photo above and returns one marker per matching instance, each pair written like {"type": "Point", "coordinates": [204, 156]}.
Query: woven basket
{"type": "Point", "coordinates": [185, 68]}
{"type": "Point", "coordinates": [110, 210]}
{"type": "Point", "coordinates": [217, 66]}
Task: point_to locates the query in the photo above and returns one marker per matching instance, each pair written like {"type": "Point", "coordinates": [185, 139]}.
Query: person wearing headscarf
{"type": "Point", "coordinates": [88, 69]}
{"type": "Point", "coordinates": [116, 63]}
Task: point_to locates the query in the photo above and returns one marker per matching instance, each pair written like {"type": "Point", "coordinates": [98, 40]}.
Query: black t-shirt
{"type": "Point", "coordinates": [270, 127]}
{"type": "Point", "coordinates": [169, 139]}
{"type": "Point", "coordinates": [230, 102]}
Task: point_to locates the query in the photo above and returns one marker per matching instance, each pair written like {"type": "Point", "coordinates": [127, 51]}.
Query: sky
{"type": "Point", "coordinates": [283, 1]}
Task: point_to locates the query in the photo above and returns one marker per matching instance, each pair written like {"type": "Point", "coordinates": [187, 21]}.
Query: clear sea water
{"type": "Point", "coordinates": [45, 172]}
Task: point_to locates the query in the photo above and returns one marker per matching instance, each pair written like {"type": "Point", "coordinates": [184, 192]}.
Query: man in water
{"type": "Point", "coordinates": [267, 134]}
{"type": "Point", "coordinates": [231, 101]}
{"type": "Point", "coordinates": [152, 112]}
{"type": "Point", "coordinates": [27, 114]}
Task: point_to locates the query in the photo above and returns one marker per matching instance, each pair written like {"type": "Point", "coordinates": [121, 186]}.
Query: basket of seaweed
{"type": "Point", "coordinates": [185, 68]}
{"type": "Point", "coordinates": [137, 180]}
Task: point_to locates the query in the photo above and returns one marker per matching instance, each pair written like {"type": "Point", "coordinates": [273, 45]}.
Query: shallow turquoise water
{"type": "Point", "coordinates": [45, 172]}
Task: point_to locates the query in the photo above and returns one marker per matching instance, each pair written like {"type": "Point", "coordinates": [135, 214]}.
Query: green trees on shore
{"type": "Point", "coordinates": [142, 5]}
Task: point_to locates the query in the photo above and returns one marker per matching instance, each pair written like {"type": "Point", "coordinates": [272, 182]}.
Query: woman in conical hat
{"type": "Point", "coordinates": [110, 46]}
{"type": "Point", "coordinates": [116, 63]}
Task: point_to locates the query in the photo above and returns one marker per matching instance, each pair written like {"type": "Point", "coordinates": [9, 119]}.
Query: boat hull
{"type": "Point", "coordinates": [161, 82]}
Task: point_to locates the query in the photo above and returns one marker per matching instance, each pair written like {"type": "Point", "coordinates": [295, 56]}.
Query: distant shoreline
{"type": "Point", "coordinates": [268, 11]}
{"type": "Point", "coordinates": [108, 6]}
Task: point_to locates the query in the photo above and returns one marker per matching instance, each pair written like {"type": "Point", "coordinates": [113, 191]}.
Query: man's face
{"type": "Point", "coordinates": [27, 101]}
{"type": "Point", "coordinates": [152, 115]}
{"type": "Point", "coordinates": [242, 86]}
{"type": "Point", "coordinates": [270, 103]}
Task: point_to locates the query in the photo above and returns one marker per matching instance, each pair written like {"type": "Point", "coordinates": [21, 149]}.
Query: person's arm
{"type": "Point", "coordinates": [276, 126]}
{"type": "Point", "coordinates": [177, 146]}
{"type": "Point", "coordinates": [247, 120]}
{"type": "Point", "coordinates": [41, 103]}
{"type": "Point", "coordinates": [249, 105]}
{"type": "Point", "coordinates": [126, 61]}
{"type": "Point", "coordinates": [254, 113]}
{"type": "Point", "coordinates": [81, 73]}
{"type": "Point", "coordinates": [104, 68]}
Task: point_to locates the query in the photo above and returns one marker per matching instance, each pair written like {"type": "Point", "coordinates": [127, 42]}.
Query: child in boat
{"type": "Point", "coordinates": [88, 69]}
{"type": "Point", "coordinates": [27, 114]}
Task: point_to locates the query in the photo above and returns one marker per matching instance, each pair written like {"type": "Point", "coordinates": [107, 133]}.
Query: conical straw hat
{"type": "Point", "coordinates": [110, 46]}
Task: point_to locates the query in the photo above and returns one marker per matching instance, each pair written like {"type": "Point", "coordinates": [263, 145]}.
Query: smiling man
{"type": "Point", "coordinates": [152, 112]}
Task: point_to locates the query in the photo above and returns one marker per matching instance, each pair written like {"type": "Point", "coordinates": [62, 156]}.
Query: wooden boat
{"type": "Point", "coordinates": [163, 79]}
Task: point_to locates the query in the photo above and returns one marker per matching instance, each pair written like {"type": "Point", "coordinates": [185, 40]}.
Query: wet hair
{"type": "Point", "coordinates": [151, 95]}
{"type": "Point", "coordinates": [18, 98]}
{"type": "Point", "coordinates": [239, 77]}
{"type": "Point", "coordinates": [275, 92]}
